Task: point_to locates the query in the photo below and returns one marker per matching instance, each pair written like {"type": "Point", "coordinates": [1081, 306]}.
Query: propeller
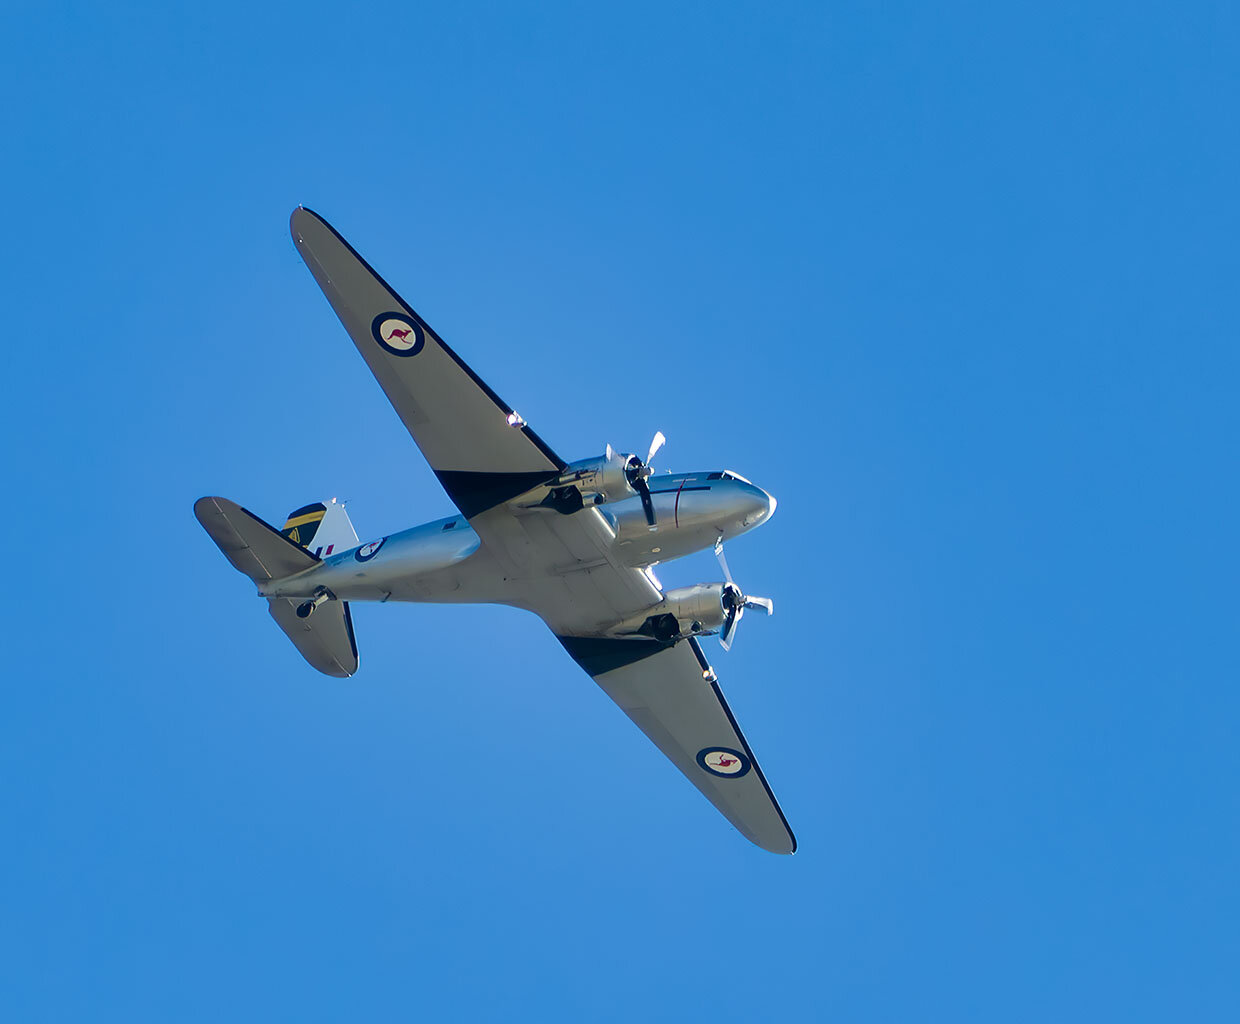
{"type": "Point", "coordinates": [656, 442]}
{"type": "Point", "coordinates": [734, 601]}
{"type": "Point", "coordinates": [638, 473]}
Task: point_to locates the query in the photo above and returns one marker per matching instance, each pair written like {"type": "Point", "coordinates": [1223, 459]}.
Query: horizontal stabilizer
{"type": "Point", "coordinates": [325, 639]}
{"type": "Point", "coordinates": [253, 547]}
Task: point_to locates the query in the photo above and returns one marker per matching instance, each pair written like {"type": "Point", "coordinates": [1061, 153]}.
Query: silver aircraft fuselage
{"type": "Point", "coordinates": [444, 561]}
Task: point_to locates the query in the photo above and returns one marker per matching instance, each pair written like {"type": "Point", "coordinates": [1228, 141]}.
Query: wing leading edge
{"type": "Point", "coordinates": [672, 695]}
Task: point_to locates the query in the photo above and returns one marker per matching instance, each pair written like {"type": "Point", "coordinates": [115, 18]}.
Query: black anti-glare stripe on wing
{"type": "Point", "coordinates": [714, 685]}
{"type": "Point", "coordinates": [474, 493]}
{"type": "Point", "coordinates": [599, 654]}
{"type": "Point", "coordinates": [534, 439]}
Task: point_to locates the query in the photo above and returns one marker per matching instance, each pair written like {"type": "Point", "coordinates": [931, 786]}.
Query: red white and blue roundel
{"type": "Point", "coordinates": [724, 762]}
{"type": "Point", "coordinates": [398, 333]}
{"type": "Point", "coordinates": [368, 551]}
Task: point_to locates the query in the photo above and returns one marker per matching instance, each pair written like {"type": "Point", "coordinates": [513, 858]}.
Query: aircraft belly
{"type": "Point", "coordinates": [574, 602]}
{"type": "Point", "coordinates": [373, 571]}
{"type": "Point", "coordinates": [562, 568]}
{"type": "Point", "coordinates": [474, 579]}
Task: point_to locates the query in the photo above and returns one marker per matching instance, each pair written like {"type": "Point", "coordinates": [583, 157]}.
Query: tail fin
{"type": "Point", "coordinates": [323, 529]}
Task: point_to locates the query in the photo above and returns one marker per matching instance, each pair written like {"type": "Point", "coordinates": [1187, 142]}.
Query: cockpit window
{"type": "Point", "coordinates": [727, 474]}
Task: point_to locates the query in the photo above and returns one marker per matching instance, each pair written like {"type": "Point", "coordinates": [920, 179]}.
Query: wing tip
{"type": "Point", "coordinates": [211, 505]}
{"type": "Point", "coordinates": [783, 849]}
{"type": "Point", "coordinates": [299, 215]}
{"type": "Point", "coordinates": [785, 845]}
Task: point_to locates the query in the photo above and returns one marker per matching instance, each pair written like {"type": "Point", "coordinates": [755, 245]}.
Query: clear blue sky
{"type": "Point", "coordinates": [955, 282]}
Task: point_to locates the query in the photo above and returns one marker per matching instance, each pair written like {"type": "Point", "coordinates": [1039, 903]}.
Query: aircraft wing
{"type": "Point", "coordinates": [482, 453]}
{"type": "Point", "coordinates": [671, 694]}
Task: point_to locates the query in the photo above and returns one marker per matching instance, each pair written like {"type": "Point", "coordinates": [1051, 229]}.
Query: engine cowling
{"type": "Point", "coordinates": [613, 477]}
{"type": "Point", "coordinates": [602, 479]}
{"type": "Point", "coordinates": [684, 611]}
{"type": "Point", "coordinates": [605, 478]}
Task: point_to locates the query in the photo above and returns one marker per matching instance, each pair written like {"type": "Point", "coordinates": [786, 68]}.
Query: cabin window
{"type": "Point", "coordinates": [450, 526]}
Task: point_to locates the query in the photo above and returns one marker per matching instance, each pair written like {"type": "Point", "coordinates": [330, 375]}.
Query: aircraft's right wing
{"type": "Point", "coordinates": [671, 694]}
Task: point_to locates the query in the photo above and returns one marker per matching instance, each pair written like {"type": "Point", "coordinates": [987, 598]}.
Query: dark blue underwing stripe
{"type": "Point", "coordinates": [599, 654]}
{"type": "Point", "coordinates": [473, 493]}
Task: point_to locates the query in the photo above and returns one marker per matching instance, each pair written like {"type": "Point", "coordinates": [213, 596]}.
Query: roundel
{"type": "Point", "coordinates": [398, 333]}
{"type": "Point", "coordinates": [368, 551]}
{"type": "Point", "coordinates": [724, 762]}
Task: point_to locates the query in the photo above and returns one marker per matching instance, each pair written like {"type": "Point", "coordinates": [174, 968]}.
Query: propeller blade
{"type": "Point", "coordinates": [723, 562]}
{"type": "Point", "coordinates": [643, 488]}
{"type": "Point", "coordinates": [765, 603]}
{"type": "Point", "coordinates": [656, 443]}
{"type": "Point", "coordinates": [729, 629]}
{"type": "Point", "coordinates": [735, 602]}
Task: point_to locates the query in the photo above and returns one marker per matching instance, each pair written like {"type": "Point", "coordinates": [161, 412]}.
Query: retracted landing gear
{"type": "Point", "coordinates": [306, 608]}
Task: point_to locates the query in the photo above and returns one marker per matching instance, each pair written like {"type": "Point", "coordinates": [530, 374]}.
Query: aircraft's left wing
{"type": "Point", "coordinates": [671, 694]}
{"type": "Point", "coordinates": [482, 452]}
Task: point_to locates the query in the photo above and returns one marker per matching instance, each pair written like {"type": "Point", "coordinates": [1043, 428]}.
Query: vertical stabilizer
{"type": "Point", "coordinates": [323, 528]}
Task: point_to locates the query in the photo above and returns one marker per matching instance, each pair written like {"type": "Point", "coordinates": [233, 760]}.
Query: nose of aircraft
{"type": "Point", "coordinates": [760, 505]}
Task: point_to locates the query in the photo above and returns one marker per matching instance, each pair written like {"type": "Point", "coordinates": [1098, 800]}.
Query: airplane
{"type": "Point", "coordinates": [574, 543]}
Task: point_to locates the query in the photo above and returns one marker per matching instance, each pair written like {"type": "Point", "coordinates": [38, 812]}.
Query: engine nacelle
{"type": "Point", "coordinates": [596, 481]}
{"type": "Point", "coordinates": [684, 611]}
{"type": "Point", "coordinates": [600, 480]}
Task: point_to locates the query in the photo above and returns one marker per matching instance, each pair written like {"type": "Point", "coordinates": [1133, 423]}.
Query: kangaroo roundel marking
{"type": "Point", "coordinates": [398, 334]}
{"type": "Point", "coordinates": [368, 551]}
{"type": "Point", "coordinates": [724, 762]}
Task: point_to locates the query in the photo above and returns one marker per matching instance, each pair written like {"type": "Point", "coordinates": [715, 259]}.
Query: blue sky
{"type": "Point", "coordinates": [955, 282]}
